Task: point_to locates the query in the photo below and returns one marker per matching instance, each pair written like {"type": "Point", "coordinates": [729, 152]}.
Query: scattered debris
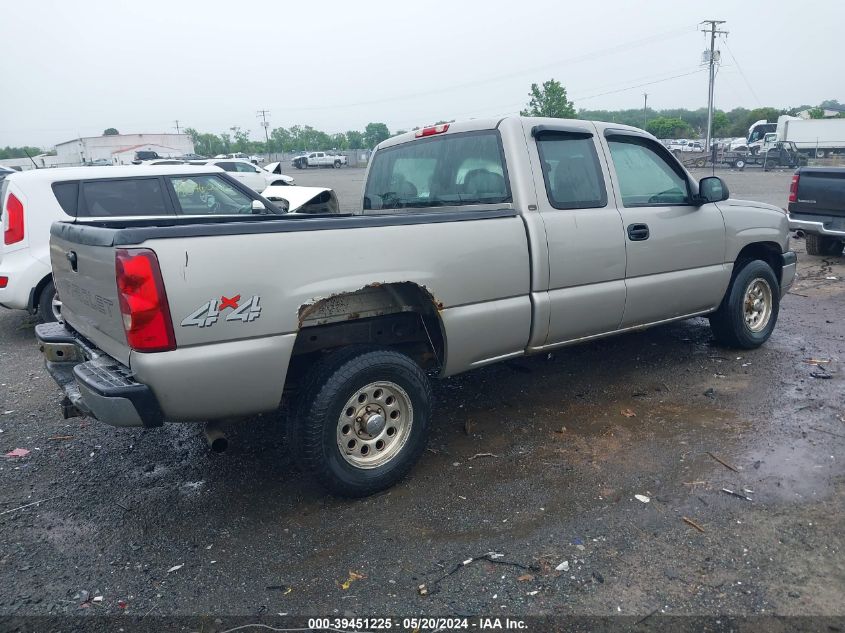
{"type": "Point", "coordinates": [533, 593]}
{"type": "Point", "coordinates": [628, 413]}
{"type": "Point", "coordinates": [723, 462]}
{"type": "Point", "coordinates": [353, 576]}
{"type": "Point", "coordinates": [821, 374]}
{"type": "Point", "coordinates": [482, 455]}
{"type": "Point", "coordinates": [525, 578]}
{"type": "Point", "coordinates": [817, 361]}
{"type": "Point", "coordinates": [121, 604]}
{"type": "Point", "coordinates": [599, 578]}
{"type": "Point", "coordinates": [34, 503]}
{"type": "Point", "coordinates": [710, 393]}
{"type": "Point", "coordinates": [832, 278]}
{"type": "Point", "coordinates": [18, 452]}
{"type": "Point", "coordinates": [468, 427]}
{"type": "Point", "coordinates": [689, 521]}
{"type": "Point", "coordinates": [490, 557]}
{"type": "Point", "coordinates": [422, 590]}
{"type": "Point", "coordinates": [564, 566]}
{"type": "Point", "coordinates": [285, 589]}
{"type": "Point", "coordinates": [642, 498]}
{"type": "Point", "coordinates": [175, 568]}
{"type": "Point", "coordinates": [56, 438]}
{"type": "Point", "coordinates": [736, 494]}
{"type": "Point", "coordinates": [97, 599]}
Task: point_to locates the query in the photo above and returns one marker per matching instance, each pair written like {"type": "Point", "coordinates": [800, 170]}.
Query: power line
{"type": "Point", "coordinates": [741, 72]}
{"type": "Point", "coordinates": [265, 124]}
{"type": "Point", "coordinates": [177, 126]}
{"type": "Point", "coordinates": [579, 58]}
{"type": "Point", "coordinates": [711, 63]}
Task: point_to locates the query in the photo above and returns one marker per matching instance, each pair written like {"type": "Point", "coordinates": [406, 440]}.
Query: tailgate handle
{"type": "Point", "coordinates": [71, 257]}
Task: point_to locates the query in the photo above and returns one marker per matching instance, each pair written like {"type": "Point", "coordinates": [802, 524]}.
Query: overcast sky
{"type": "Point", "coordinates": [71, 68]}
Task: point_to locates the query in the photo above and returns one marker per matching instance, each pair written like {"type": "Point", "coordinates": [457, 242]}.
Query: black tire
{"type": "Point", "coordinates": [337, 164]}
{"type": "Point", "coordinates": [322, 400]}
{"type": "Point", "coordinates": [823, 245]}
{"type": "Point", "coordinates": [728, 322]}
{"type": "Point", "coordinates": [46, 314]}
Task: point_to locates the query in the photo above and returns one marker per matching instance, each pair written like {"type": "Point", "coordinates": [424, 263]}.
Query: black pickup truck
{"type": "Point", "coordinates": [817, 207]}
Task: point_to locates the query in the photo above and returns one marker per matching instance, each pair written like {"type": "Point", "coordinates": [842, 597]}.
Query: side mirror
{"type": "Point", "coordinates": [258, 206]}
{"type": "Point", "coordinates": [712, 189]}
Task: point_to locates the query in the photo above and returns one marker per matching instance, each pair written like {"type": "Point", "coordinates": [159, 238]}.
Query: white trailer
{"type": "Point", "coordinates": [816, 137]}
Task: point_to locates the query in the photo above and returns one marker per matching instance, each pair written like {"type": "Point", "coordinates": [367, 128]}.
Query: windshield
{"type": "Point", "coordinates": [456, 169]}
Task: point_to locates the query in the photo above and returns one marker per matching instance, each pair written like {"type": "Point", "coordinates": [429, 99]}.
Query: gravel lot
{"type": "Point", "coordinates": [157, 525]}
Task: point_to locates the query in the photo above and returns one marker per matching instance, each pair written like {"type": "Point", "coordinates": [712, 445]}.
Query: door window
{"type": "Point", "coordinates": [245, 168]}
{"type": "Point", "coordinates": [228, 166]}
{"type": "Point", "coordinates": [131, 196]}
{"type": "Point", "coordinates": [646, 178]}
{"type": "Point", "coordinates": [209, 195]}
{"type": "Point", "coordinates": [571, 170]}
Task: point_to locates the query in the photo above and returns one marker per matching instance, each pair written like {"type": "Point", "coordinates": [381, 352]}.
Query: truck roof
{"type": "Point", "coordinates": [475, 125]}
{"type": "Point", "coordinates": [59, 174]}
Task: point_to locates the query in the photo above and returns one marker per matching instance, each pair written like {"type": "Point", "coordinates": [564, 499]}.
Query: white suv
{"type": "Point", "coordinates": [252, 176]}
{"type": "Point", "coordinates": [32, 200]}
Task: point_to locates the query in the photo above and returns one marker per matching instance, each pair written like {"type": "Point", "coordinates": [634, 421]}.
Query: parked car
{"type": "Point", "coordinates": [5, 171]}
{"type": "Point", "coordinates": [145, 154]}
{"type": "Point", "coordinates": [190, 156]}
{"type": "Point", "coordinates": [455, 262]}
{"type": "Point", "coordinates": [33, 200]}
{"type": "Point", "coordinates": [318, 159]}
{"type": "Point", "coordinates": [276, 169]}
{"type": "Point", "coordinates": [817, 207]}
{"type": "Point", "coordinates": [251, 175]}
{"type": "Point", "coordinates": [303, 199]}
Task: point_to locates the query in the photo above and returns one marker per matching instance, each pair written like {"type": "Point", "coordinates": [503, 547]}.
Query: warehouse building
{"type": "Point", "coordinates": [119, 149]}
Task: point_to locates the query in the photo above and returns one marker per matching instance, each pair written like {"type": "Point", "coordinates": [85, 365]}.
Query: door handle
{"type": "Point", "coordinates": [638, 232]}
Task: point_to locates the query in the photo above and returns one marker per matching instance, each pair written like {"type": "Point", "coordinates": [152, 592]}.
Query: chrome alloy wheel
{"type": "Point", "coordinates": [375, 424]}
{"type": "Point", "coordinates": [757, 304]}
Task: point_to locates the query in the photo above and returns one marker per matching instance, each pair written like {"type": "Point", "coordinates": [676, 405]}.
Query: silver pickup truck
{"type": "Point", "coordinates": [477, 242]}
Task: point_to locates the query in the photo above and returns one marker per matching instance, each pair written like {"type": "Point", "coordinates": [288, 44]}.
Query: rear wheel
{"type": "Point", "coordinates": [823, 245]}
{"type": "Point", "coordinates": [49, 306]}
{"type": "Point", "coordinates": [749, 310]}
{"type": "Point", "coordinates": [337, 164]}
{"type": "Point", "coordinates": [362, 420]}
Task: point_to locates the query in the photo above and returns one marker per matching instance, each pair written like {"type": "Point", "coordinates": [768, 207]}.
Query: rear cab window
{"type": "Point", "coordinates": [466, 168]}
{"type": "Point", "coordinates": [571, 170]}
{"type": "Point", "coordinates": [67, 195]}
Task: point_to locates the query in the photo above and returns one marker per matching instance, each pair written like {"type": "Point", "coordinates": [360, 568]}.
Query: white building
{"type": "Point", "coordinates": [38, 162]}
{"type": "Point", "coordinates": [119, 149]}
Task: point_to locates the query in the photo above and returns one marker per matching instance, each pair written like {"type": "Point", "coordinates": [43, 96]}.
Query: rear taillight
{"type": "Point", "coordinates": [793, 188]}
{"type": "Point", "coordinates": [14, 220]}
{"type": "Point", "coordinates": [432, 130]}
{"type": "Point", "coordinates": [4, 281]}
{"type": "Point", "coordinates": [143, 301]}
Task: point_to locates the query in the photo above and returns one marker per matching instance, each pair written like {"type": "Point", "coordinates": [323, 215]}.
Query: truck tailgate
{"type": "Point", "coordinates": [84, 275]}
{"type": "Point", "coordinates": [820, 191]}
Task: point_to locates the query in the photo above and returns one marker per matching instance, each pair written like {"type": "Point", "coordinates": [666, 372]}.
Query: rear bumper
{"type": "Point", "coordinates": [24, 273]}
{"type": "Point", "coordinates": [818, 224]}
{"type": "Point", "coordinates": [94, 383]}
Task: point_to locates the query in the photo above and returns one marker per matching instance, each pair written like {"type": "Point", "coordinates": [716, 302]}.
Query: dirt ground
{"type": "Point", "coordinates": [539, 460]}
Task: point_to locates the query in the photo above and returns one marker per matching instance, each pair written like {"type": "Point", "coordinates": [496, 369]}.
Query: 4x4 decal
{"type": "Point", "coordinates": [209, 312]}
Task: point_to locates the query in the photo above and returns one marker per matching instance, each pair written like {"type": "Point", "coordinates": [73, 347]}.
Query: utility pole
{"type": "Point", "coordinates": [645, 109]}
{"type": "Point", "coordinates": [711, 58]}
{"type": "Point", "coordinates": [266, 125]}
{"type": "Point", "coordinates": [177, 126]}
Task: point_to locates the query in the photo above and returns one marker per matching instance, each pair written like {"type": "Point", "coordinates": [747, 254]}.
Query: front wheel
{"type": "Point", "coordinates": [337, 164]}
{"type": "Point", "coordinates": [749, 310]}
{"type": "Point", "coordinates": [362, 420]}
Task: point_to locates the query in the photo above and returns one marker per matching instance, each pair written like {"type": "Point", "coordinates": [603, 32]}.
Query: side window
{"type": "Point", "coordinates": [67, 193]}
{"type": "Point", "coordinates": [228, 166]}
{"type": "Point", "coordinates": [645, 177]}
{"type": "Point", "coordinates": [246, 167]}
{"type": "Point", "coordinates": [132, 196]}
{"type": "Point", "coordinates": [209, 195]}
{"type": "Point", "coordinates": [571, 170]}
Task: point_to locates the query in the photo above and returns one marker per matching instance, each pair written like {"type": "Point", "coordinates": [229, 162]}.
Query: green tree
{"type": "Point", "coordinates": [339, 141]}
{"type": "Point", "coordinates": [354, 139]}
{"type": "Point", "coordinates": [549, 100]}
{"type": "Point", "coordinates": [816, 113]}
{"type": "Point", "coordinates": [375, 133]}
{"type": "Point", "coordinates": [721, 124]}
{"type": "Point", "coordinates": [665, 127]}
{"type": "Point", "coordinates": [18, 152]}
{"type": "Point", "coordinates": [110, 131]}
{"type": "Point", "coordinates": [242, 142]}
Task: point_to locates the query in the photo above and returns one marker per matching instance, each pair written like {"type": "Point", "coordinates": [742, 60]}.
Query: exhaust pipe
{"type": "Point", "coordinates": [217, 439]}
